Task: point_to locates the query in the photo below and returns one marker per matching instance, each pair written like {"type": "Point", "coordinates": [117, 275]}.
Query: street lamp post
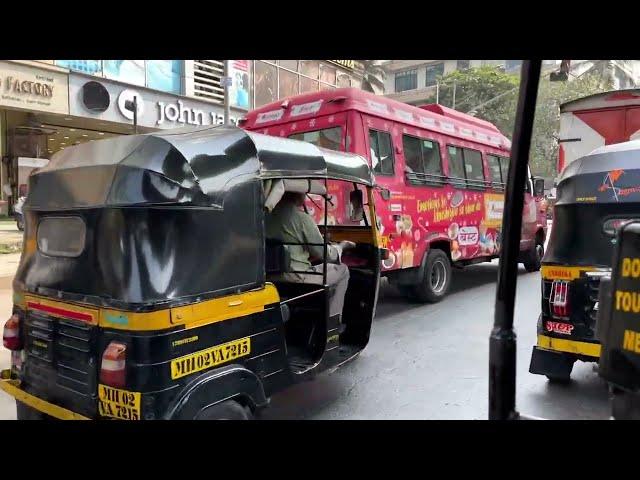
{"type": "Point", "coordinates": [227, 84]}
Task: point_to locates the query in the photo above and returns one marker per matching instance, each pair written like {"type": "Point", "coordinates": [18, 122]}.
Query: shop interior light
{"type": "Point", "coordinates": [85, 135]}
{"type": "Point", "coordinates": [72, 129]}
{"type": "Point", "coordinates": [66, 138]}
{"type": "Point", "coordinates": [100, 133]}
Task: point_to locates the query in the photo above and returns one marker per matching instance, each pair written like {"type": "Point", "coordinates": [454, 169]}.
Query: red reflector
{"type": "Point", "coordinates": [11, 334]}
{"type": "Point", "coordinates": [113, 368]}
{"type": "Point", "coordinates": [83, 317]}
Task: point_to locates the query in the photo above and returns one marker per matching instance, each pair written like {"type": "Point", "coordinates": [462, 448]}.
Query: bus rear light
{"type": "Point", "coordinates": [11, 334]}
{"type": "Point", "coordinates": [114, 365]}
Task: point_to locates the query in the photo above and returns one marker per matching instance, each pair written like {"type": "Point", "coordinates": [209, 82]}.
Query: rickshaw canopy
{"type": "Point", "coordinates": [189, 166]}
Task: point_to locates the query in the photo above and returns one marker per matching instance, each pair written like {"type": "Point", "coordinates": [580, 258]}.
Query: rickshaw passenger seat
{"type": "Point", "coordinates": [276, 257]}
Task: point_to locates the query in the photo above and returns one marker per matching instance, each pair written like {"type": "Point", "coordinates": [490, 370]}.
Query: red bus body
{"type": "Point", "coordinates": [458, 212]}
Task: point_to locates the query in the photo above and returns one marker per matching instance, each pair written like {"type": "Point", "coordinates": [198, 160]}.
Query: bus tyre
{"type": "Point", "coordinates": [437, 277]}
{"type": "Point", "coordinates": [534, 257]}
{"type": "Point", "coordinates": [25, 412]}
{"type": "Point", "coordinates": [227, 410]}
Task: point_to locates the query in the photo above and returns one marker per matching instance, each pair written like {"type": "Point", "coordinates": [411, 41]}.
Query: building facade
{"type": "Point", "coordinates": [416, 81]}
{"type": "Point", "coordinates": [49, 105]}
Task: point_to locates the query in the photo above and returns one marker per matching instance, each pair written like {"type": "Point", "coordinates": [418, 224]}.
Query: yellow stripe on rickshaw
{"type": "Point", "coordinates": [558, 272]}
{"type": "Point", "coordinates": [569, 346]}
{"type": "Point", "coordinates": [187, 316]}
{"type": "Point", "coordinates": [12, 387]}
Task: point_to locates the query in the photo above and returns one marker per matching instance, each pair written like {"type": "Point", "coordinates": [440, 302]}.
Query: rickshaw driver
{"type": "Point", "coordinates": [287, 223]}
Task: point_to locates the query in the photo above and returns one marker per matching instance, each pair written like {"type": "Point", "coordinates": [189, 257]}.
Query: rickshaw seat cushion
{"type": "Point", "coordinates": [276, 257]}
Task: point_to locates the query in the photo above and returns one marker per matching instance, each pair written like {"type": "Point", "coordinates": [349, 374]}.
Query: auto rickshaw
{"type": "Point", "coordinates": [596, 193]}
{"type": "Point", "coordinates": [144, 289]}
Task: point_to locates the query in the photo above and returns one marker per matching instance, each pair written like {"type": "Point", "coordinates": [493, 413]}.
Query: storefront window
{"type": "Point", "coordinates": [91, 67]}
{"type": "Point", "coordinates": [344, 80]}
{"type": "Point", "coordinates": [290, 64]}
{"type": "Point", "coordinates": [288, 84]}
{"type": "Point", "coordinates": [308, 85]}
{"type": "Point", "coordinates": [128, 71]}
{"type": "Point", "coordinates": [327, 74]}
{"type": "Point", "coordinates": [165, 75]}
{"type": "Point", "coordinates": [266, 88]}
{"type": "Point", "coordinates": [310, 68]}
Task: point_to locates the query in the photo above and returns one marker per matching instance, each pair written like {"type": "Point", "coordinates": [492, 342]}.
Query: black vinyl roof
{"type": "Point", "coordinates": [190, 166]}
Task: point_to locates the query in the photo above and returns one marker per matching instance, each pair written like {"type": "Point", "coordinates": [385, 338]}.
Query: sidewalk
{"type": "Point", "coordinates": [10, 236]}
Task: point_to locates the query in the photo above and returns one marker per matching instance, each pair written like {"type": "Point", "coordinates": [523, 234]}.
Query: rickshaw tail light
{"type": "Point", "coordinates": [11, 334]}
{"type": "Point", "coordinates": [114, 365]}
{"type": "Point", "coordinates": [559, 299]}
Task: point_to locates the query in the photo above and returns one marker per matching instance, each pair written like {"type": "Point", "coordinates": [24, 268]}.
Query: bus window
{"type": "Point", "coordinates": [381, 152]}
{"type": "Point", "coordinates": [330, 138]}
{"type": "Point", "coordinates": [422, 160]}
{"type": "Point", "coordinates": [494, 168]}
{"type": "Point", "coordinates": [456, 167]}
{"type": "Point", "coordinates": [431, 157]}
{"type": "Point", "coordinates": [473, 168]}
{"type": "Point", "coordinates": [504, 167]}
{"type": "Point", "coordinates": [412, 154]}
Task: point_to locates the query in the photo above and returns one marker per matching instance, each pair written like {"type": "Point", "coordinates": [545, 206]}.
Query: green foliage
{"type": "Point", "coordinates": [491, 94]}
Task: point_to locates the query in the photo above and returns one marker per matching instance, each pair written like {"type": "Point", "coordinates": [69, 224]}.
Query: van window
{"type": "Point", "coordinates": [494, 169]}
{"type": "Point", "coordinates": [473, 166]}
{"type": "Point", "coordinates": [330, 138]}
{"type": "Point", "coordinates": [61, 236]}
{"type": "Point", "coordinates": [504, 167]}
{"type": "Point", "coordinates": [465, 167]}
{"type": "Point", "coordinates": [456, 167]}
{"type": "Point", "coordinates": [381, 152]}
{"type": "Point", "coordinates": [422, 160]}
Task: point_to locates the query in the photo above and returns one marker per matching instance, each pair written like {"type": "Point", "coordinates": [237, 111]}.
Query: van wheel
{"type": "Point", "coordinates": [227, 410]}
{"type": "Point", "coordinates": [437, 278]}
{"type": "Point", "coordinates": [533, 262]}
{"type": "Point", "coordinates": [25, 412]}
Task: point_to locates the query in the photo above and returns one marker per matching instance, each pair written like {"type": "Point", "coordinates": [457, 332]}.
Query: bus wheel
{"type": "Point", "coordinates": [227, 410]}
{"type": "Point", "coordinates": [437, 277]}
{"type": "Point", "coordinates": [532, 264]}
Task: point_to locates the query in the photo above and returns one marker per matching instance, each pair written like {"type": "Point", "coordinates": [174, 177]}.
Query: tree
{"type": "Point", "coordinates": [373, 76]}
{"type": "Point", "coordinates": [491, 94]}
{"type": "Point", "coordinates": [544, 142]}
{"type": "Point", "coordinates": [486, 92]}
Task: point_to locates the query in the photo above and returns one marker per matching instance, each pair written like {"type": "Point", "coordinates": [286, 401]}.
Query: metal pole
{"type": "Point", "coordinates": [135, 114]}
{"type": "Point", "coordinates": [227, 107]}
{"type": "Point", "coordinates": [502, 342]}
{"type": "Point", "coordinates": [454, 95]}
{"type": "Point", "coordinates": [438, 92]}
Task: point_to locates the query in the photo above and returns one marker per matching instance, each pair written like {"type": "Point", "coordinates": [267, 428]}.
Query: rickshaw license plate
{"type": "Point", "coordinates": [119, 404]}
{"type": "Point", "coordinates": [211, 357]}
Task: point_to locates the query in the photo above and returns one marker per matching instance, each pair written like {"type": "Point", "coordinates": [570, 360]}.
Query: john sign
{"type": "Point", "coordinates": [179, 113]}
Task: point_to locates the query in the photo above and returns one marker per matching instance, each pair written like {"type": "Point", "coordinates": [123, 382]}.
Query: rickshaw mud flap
{"type": "Point", "coordinates": [569, 346]}
{"type": "Point", "coordinates": [12, 387]}
{"type": "Point", "coordinates": [231, 381]}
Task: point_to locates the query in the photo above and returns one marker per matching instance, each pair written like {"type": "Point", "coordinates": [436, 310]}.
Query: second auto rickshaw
{"type": "Point", "coordinates": [596, 194]}
{"type": "Point", "coordinates": [147, 288]}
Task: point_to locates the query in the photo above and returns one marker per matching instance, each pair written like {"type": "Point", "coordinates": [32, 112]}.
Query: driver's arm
{"type": "Point", "coordinates": [312, 234]}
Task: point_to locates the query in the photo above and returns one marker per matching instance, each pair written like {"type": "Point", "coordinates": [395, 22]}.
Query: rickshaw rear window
{"type": "Point", "coordinates": [61, 236]}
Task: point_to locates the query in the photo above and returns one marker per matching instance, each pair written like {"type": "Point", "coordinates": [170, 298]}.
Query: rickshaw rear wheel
{"type": "Point", "coordinates": [437, 277]}
{"type": "Point", "coordinates": [559, 380]}
{"type": "Point", "coordinates": [227, 410]}
{"type": "Point", "coordinates": [25, 412]}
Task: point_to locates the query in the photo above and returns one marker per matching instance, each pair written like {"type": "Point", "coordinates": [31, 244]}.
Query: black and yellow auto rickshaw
{"type": "Point", "coordinates": [143, 289]}
{"type": "Point", "coordinates": [596, 193]}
